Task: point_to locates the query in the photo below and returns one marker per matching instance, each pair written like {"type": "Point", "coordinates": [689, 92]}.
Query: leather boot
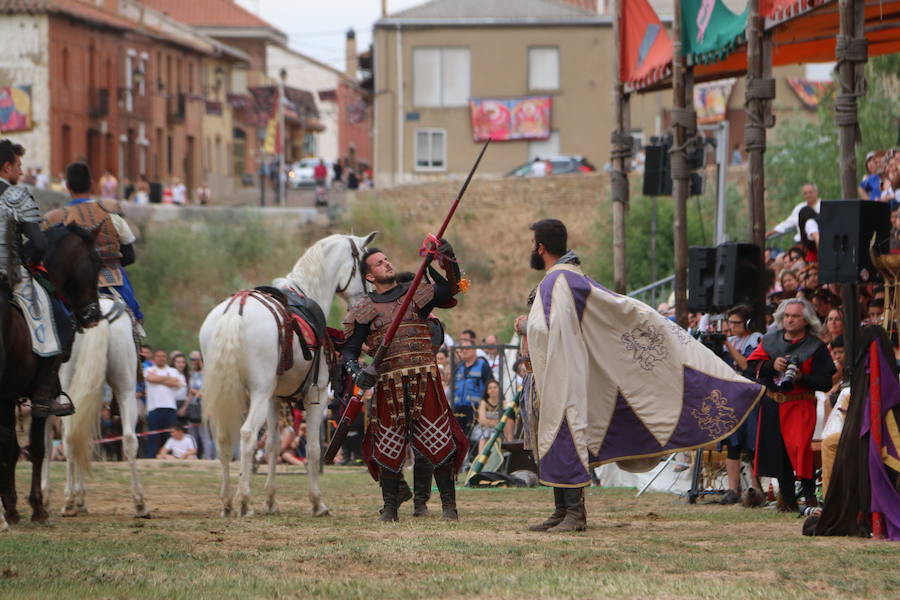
{"type": "Point", "coordinates": [47, 400]}
{"type": "Point", "coordinates": [422, 472]}
{"type": "Point", "coordinates": [576, 516]}
{"type": "Point", "coordinates": [559, 512]}
{"type": "Point", "coordinates": [390, 493]}
{"type": "Point", "coordinates": [443, 476]}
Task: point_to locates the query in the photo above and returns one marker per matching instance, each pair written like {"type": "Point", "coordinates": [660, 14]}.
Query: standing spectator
{"type": "Point", "coordinates": [870, 186]}
{"type": "Point", "coordinates": [109, 186]}
{"type": "Point", "coordinates": [195, 408]}
{"type": "Point", "coordinates": [740, 345]}
{"type": "Point", "coordinates": [203, 195]}
{"type": "Point", "coordinates": [811, 199]}
{"type": "Point", "coordinates": [179, 446]}
{"type": "Point", "coordinates": [110, 427]}
{"type": "Point", "coordinates": [128, 189]}
{"type": "Point", "coordinates": [142, 192]}
{"type": "Point", "coordinates": [338, 170]}
{"type": "Point", "coordinates": [736, 157]}
{"type": "Point", "coordinates": [539, 168]}
{"type": "Point", "coordinates": [472, 375]}
{"type": "Point", "coordinates": [320, 173]}
{"type": "Point", "coordinates": [163, 383]}
{"type": "Point", "coordinates": [178, 362]}
{"type": "Point", "coordinates": [492, 355]}
{"type": "Point", "coordinates": [352, 180]}
{"type": "Point", "coordinates": [179, 192]}
{"type": "Point", "coordinates": [41, 181]}
{"type": "Point", "coordinates": [29, 178]}
{"type": "Point", "coordinates": [468, 334]}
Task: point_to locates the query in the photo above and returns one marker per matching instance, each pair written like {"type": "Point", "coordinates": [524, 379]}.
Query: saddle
{"type": "Point", "coordinates": [306, 316]}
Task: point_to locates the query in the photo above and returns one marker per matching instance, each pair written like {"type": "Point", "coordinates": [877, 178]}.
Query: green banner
{"type": "Point", "coordinates": [709, 30]}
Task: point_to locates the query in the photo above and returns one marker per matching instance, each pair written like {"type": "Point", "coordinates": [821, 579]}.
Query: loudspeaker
{"type": "Point", "coordinates": [657, 178]}
{"type": "Point", "coordinates": [740, 276]}
{"type": "Point", "coordinates": [846, 228]}
{"type": "Point", "coordinates": [156, 192]}
{"type": "Point", "coordinates": [701, 278]}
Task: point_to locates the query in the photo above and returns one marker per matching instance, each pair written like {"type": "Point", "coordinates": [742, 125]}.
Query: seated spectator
{"type": "Point", "coordinates": [810, 277]}
{"type": "Point", "coordinates": [179, 446]}
{"type": "Point", "coordinates": [823, 301]}
{"type": "Point", "coordinates": [790, 283]}
{"type": "Point", "coordinates": [489, 412]}
{"type": "Point", "coordinates": [834, 326]}
{"type": "Point", "coordinates": [794, 259]}
{"type": "Point", "coordinates": [839, 397]}
{"type": "Point", "coordinates": [875, 311]}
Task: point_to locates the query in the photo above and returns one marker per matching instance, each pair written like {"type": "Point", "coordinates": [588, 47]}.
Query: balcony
{"type": "Point", "coordinates": [176, 107]}
{"type": "Point", "coordinates": [98, 103]}
{"type": "Point", "coordinates": [213, 107]}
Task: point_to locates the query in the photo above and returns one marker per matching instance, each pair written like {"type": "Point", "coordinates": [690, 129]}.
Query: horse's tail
{"type": "Point", "coordinates": [224, 393]}
{"type": "Point", "coordinates": [86, 391]}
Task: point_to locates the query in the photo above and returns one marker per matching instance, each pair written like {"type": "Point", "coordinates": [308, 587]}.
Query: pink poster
{"type": "Point", "coordinates": [510, 118]}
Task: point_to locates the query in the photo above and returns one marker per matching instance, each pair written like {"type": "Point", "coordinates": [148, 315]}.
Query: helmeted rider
{"type": "Point", "coordinates": [20, 220]}
{"type": "Point", "coordinates": [115, 240]}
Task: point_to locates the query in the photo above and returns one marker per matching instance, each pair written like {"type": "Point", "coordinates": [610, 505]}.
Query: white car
{"type": "Point", "coordinates": [301, 173]}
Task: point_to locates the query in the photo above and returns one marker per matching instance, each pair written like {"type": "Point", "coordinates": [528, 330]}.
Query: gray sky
{"type": "Point", "coordinates": [317, 27]}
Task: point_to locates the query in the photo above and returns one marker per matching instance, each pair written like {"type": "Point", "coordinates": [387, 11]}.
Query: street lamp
{"type": "Point", "coordinates": [281, 175]}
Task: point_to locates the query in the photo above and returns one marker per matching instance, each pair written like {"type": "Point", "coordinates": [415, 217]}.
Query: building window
{"type": "Point", "coordinates": [543, 68]}
{"type": "Point", "coordinates": [431, 149]}
{"type": "Point", "coordinates": [441, 76]}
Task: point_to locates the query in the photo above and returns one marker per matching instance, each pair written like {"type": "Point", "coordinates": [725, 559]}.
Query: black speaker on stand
{"type": "Point", "coordinates": [846, 229]}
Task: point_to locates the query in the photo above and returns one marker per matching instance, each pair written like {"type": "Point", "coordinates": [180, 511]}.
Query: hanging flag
{"type": "Point", "coordinates": [710, 31]}
{"type": "Point", "coordinates": [711, 100]}
{"type": "Point", "coordinates": [645, 49]}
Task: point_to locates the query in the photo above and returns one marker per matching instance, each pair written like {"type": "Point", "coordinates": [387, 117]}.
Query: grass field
{"type": "Point", "coordinates": [654, 546]}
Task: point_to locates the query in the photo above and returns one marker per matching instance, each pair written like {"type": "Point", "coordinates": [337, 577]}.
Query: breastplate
{"type": "Point", "coordinates": [411, 347]}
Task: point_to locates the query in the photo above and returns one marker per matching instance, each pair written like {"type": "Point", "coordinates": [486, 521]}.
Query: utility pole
{"type": "Point", "coordinates": [281, 175]}
{"type": "Point", "coordinates": [684, 123]}
{"type": "Point", "coordinates": [622, 147]}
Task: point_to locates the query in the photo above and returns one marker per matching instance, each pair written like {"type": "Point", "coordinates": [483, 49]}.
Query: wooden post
{"type": "Point", "coordinates": [760, 88]}
{"type": "Point", "coordinates": [851, 54]}
{"type": "Point", "coordinates": [621, 157]}
{"type": "Point", "coordinates": [682, 98]}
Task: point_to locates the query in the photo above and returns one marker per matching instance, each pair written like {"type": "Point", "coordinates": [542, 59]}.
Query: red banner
{"type": "Point", "coordinates": [502, 119]}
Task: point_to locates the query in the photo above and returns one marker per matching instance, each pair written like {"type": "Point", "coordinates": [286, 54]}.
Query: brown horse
{"type": "Point", "coordinates": [73, 267]}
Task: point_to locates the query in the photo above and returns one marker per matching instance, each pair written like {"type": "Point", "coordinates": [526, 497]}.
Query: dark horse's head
{"type": "Point", "coordinates": [73, 267]}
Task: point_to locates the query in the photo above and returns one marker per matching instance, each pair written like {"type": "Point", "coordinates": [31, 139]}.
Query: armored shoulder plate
{"type": "Point", "coordinates": [424, 294]}
{"type": "Point", "coordinates": [21, 204]}
{"type": "Point", "coordinates": [362, 312]}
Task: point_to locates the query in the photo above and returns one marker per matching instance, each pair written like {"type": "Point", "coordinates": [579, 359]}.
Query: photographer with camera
{"type": "Point", "coordinates": [793, 364]}
{"type": "Point", "coordinates": [738, 347]}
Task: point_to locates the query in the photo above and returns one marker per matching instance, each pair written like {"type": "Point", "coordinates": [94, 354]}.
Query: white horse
{"type": "Point", "coordinates": [241, 354]}
{"type": "Point", "coordinates": [103, 354]}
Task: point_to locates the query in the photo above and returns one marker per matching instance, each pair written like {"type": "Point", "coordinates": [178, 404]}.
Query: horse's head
{"type": "Point", "coordinates": [351, 283]}
{"type": "Point", "coordinates": [73, 266]}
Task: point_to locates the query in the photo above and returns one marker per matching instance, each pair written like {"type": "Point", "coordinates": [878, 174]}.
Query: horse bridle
{"type": "Point", "coordinates": [354, 252]}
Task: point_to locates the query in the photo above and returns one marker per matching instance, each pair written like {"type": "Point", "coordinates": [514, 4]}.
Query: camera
{"type": "Point", "coordinates": [790, 374]}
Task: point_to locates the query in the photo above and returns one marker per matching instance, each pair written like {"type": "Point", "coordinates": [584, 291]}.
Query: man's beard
{"type": "Point", "coordinates": [386, 279]}
{"type": "Point", "coordinates": [537, 262]}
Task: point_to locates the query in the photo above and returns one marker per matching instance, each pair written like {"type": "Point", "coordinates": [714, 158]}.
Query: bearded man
{"type": "Point", "coordinates": [409, 406]}
{"type": "Point", "coordinates": [615, 381]}
{"type": "Point", "coordinates": [793, 364]}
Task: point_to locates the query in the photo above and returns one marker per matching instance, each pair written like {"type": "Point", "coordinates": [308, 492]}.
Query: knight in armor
{"type": "Point", "coordinates": [115, 240]}
{"type": "Point", "coordinates": [409, 406]}
{"type": "Point", "coordinates": [793, 364]}
{"type": "Point", "coordinates": [22, 242]}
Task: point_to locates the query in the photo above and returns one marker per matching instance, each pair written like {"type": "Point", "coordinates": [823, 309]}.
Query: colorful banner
{"type": "Point", "coordinates": [710, 31]}
{"type": "Point", "coordinates": [711, 100]}
{"type": "Point", "coordinates": [15, 108]}
{"type": "Point", "coordinates": [811, 93]}
{"type": "Point", "coordinates": [504, 119]}
{"type": "Point", "coordinates": [645, 51]}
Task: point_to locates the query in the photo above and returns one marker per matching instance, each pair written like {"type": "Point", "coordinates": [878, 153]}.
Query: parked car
{"type": "Point", "coordinates": [561, 164]}
{"type": "Point", "coordinates": [301, 173]}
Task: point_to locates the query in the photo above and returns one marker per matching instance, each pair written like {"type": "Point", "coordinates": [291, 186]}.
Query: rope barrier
{"type": "Point", "coordinates": [118, 438]}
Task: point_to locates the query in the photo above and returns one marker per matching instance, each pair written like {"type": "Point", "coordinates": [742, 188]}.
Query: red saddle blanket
{"type": "Point", "coordinates": [300, 326]}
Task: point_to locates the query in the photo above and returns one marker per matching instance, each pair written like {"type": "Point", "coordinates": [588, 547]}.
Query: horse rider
{"type": "Point", "coordinates": [408, 407]}
{"type": "Point", "coordinates": [115, 240]}
{"type": "Point", "coordinates": [20, 218]}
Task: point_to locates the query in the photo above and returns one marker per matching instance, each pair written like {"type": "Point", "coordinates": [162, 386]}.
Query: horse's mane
{"type": "Point", "coordinates": [57, 232]}
{"type": "Point", "coordinates": [307, 271]}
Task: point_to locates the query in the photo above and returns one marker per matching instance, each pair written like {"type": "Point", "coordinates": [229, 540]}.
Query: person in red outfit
{"type": "Point", "coordinates": [793, 364]}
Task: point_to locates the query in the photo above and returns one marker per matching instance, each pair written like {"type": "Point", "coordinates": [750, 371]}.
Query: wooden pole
{"type": "Point", "coordinates": [682, 86]}
{"type": "Point", "coordinates": [760, 87]}
{"type": "Point", "coordinates": [620, 157]}
{"type": "Point", "coordinates": [851, 55]}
